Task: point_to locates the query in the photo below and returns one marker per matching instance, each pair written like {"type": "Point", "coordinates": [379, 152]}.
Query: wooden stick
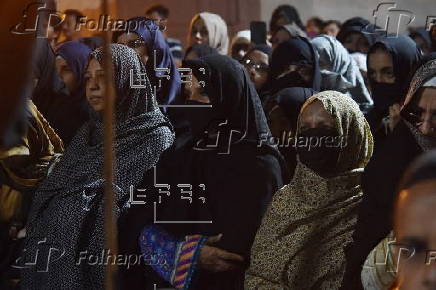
{"type": "Point", "coordinates": [111, 231]}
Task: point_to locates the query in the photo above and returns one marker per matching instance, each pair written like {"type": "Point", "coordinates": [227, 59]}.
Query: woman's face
{"type": "Point", "coordinates": [355, 41]}
{"type": "Point", "coordinates": [134, 41]}
{"type": "Point", "coordinates": [199, 33]}
{"type": "Point", "coordinates": [95, 85]}
{"type": "Point", "coordinates": [381, 67]}
{"type": "Point", "coordinates": [425, 112]}
{"type": "Point", "coordinates": [315, 116]}
{"type": "Point", "coordinates": [415, 229]}
{"type": "Point", "coordinates": [257, 65]}
{"type": "Point", "coordinates": [66, 74]}
{"type": "Point", "coordinates": [280, 36]}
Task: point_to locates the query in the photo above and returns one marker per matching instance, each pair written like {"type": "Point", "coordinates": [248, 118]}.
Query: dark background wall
{"type": "Point", "coordinates": [237, 13]}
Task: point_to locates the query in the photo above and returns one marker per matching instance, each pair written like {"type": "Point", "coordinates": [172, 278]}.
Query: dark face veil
{"type": "Point", "coordinates": [296, 51]}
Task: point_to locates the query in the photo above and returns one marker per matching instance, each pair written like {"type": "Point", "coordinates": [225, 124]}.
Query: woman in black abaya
{"type": "Point", "coordinates": [230, 156]}
{"type": "Point", "coordinates": [390, 63]}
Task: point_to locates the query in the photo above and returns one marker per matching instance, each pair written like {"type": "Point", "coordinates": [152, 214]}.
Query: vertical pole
{"type": "Point", "coordinates": [110, 223]}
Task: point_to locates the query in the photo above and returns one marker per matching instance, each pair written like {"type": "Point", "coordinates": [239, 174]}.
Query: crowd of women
{"type": "Point", "coordinates": [304, 162]}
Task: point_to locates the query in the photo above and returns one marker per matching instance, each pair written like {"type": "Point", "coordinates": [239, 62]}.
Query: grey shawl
{"type": "Point", "coordinates": [339, 70]}
{"type": "Point", "coordinates": [67, 210]}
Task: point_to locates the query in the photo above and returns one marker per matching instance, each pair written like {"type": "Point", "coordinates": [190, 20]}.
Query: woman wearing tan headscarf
{"type": "Point", "coordinates": [300, 244]}
{"type": "Point", "coordinates": [211, 29]}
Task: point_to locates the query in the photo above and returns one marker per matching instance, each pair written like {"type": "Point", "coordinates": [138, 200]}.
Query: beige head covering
{"type": "Point", "coordinates": [300, 244]}
{"type": "Point", "coordinates": [217, 28]}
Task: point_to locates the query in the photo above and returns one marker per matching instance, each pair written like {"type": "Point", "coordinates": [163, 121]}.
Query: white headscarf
{"type": "Point", "coordinates": [217, 28]}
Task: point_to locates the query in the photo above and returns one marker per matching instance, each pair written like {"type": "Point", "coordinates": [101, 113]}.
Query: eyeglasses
{"type": "Point", "coordinates": [135, 43]}
{"type": "Point", "coordinates": [259, 67]}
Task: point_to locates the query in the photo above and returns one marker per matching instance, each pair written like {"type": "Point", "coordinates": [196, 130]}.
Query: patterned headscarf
{"type": "Point", "coordinates": [424, 73]}
{"type": "Point", "coordinates": [300, 244]}
{"type": "Point", "coordinates": [67, 210]}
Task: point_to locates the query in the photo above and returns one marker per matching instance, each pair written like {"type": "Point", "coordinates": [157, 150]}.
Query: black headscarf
{"type": "Point", "coordinates": [248, 174]}
{"type": "Point", "coordinates": [62, 111]}
{"type": "Point", "coordinates": [297, 50]}
{"type": "Point", "coordinates": [68, 209]}
{"type": "Point", "coordinates": [405, 56]}
{"type": "Point", "coordinates": [291, 100]}
{"type": "Point", "coordinates": [201, 50]}
{"type": "Point", "coordinates": [233, 98]}
{"type": "Point", "coordinates": [287, 12]}
{"type": "Point", "coordinates": [358, 24]}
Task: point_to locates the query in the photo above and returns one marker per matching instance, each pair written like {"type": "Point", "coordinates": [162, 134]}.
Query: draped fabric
{"type": "Point", "coordinates": [201, 50]}
{"type": "Point", "coordinates": [67, 212]}
{"type": "Point", "coordinates": [405, 56]}
{"type": "Point", "coordinates": [217, 31]}
{"type": "Point", "coordinates": [360, 25]}
{"type": "Point", "coordinates": [290, 100]}
{"type": "Point", "coordinates": [77, 55]}
{"type": "Point", "coordinates": [339, 71]}
{"type": "Point", "coordinates": [300, 244]}
{"type": "Point", "coordinates": [424, 73]}
{"type": "Point", "coordinates": [380, 181]}
{"type": "Point", "coordinates": [158, 70]}
{"type": "Point", "coordinates": [63, 112]}
{"type": "Point", "coordinates": [24, 165]}
{"type": "Point", "coordinates": [293, 30]}
{"type": "Point", "coordinates": [239, 174]}
{"type": "Point", "coordinates": [296, 51]}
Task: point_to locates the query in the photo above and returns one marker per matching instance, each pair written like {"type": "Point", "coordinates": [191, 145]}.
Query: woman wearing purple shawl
{"type": "Point", "coordinates": [71, 62]}
{"type": "Point", "coordinates": [144, 37]}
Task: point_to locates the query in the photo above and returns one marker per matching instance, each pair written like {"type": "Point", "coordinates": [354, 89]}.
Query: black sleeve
{"type": "Point", "coordinates": [243, 194]}
{"type": "Point", "coordinates": [380, 185]}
